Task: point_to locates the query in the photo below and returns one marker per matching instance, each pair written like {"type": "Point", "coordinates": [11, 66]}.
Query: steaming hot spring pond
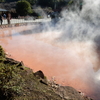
{"type": "Point", "coordinates": [69, 63]}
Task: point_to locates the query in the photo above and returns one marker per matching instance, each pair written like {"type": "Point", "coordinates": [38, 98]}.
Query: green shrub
{"type": "Point", "coordinates": [10, 81]}
{"type": "Point", "coordinates": [2, 54]}
{"type": "Point", "coordinates": [23, 8]}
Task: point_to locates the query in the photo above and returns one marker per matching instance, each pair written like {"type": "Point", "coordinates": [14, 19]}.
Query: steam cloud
{"type": "Point", "coordinates": [79, 32]}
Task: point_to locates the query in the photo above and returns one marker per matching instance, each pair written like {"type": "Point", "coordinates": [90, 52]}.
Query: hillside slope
{"type": "Point", "coordinates": [18, 82]}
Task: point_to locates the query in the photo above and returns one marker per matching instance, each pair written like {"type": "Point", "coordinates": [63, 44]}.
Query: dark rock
{"type": "Point", "coordinates": [14, 62]}
{"type": "Point", "coordinates": [43, 81]}
{"type": "Point", "coordinates": [11, 61]}
{"type": "Point", "coordinates": [68, 93]}
{"type": "Point", "coordinates": [20, 64]}
{"type": "Point", "coordinates": [39, 74]}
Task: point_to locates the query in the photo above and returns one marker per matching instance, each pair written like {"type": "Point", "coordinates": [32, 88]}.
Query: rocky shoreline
{"type": "Point", "coordinates": [21, 83]}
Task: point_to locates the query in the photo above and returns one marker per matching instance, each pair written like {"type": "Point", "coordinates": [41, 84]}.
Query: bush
{"type": "Point", "coordinates": [10, 81]}
{"type": "Point", "coordinates": [2, 54]}
{"type": "Point", "coordinates": [23, 8]}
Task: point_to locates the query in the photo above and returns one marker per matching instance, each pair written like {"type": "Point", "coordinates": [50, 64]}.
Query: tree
{"type": "Point", "coordinates": [23, 8]}
{"type": "Point", "coordinates": [43, 3]}
{"type": "Point", "coordinates": [55, 4]}
{"type": "Point", "coordinates": [10, 0]}
{"type": "Point", "coordinates": [32, 2]}
{"type": "Point", "coordinates": [2, 0]}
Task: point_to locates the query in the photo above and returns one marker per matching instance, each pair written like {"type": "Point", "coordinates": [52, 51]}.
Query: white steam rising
{"type": "Point", "coordinates": [79, 32]}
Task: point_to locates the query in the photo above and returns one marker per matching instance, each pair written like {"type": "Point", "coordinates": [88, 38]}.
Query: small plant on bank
{"type": "Point", "coordinates": [2, 54]}
{"type": "Point", "coordinates": [10, 81]}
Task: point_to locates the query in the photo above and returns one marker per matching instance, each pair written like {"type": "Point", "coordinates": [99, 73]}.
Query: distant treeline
{"type": "Point", "coordinates": [54, 4]}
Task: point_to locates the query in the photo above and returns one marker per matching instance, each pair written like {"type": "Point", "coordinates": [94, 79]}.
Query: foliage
{"type": "Point", "coordinates": [32, 2]}
{"type": "Point", "coordinates": [34, 14]}
{"type": "Point", "coordinates": [2, 54]}
{"type": "Point", "coordinates": [55, 4]}
{"type": "Point", "coordinates": [2, 0]}
{"type": "Point", "coordinates": [10, 81]}
{"type": "Point", "coordinates": [10, 0]}
{"type": "Point", "coordinates": [17, 84]}
{"type": "Point", "coordinates": [23, 8]}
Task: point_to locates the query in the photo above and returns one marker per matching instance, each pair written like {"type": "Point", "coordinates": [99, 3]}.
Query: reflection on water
{"type": "Point", "coordinates": [70, 66]}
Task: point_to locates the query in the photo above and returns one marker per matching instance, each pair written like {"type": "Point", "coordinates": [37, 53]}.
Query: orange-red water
{"type": "Point", "coordinates": [63, 64]}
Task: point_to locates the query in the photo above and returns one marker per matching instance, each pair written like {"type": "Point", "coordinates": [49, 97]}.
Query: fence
{"type": "Point", "coordinates": [16, 20]}
{"type": "Point", "coordinates": [23, 20]}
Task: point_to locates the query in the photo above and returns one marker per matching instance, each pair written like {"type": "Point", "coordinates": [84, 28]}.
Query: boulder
{"type": "Point", "coordinates": [39, 74]}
